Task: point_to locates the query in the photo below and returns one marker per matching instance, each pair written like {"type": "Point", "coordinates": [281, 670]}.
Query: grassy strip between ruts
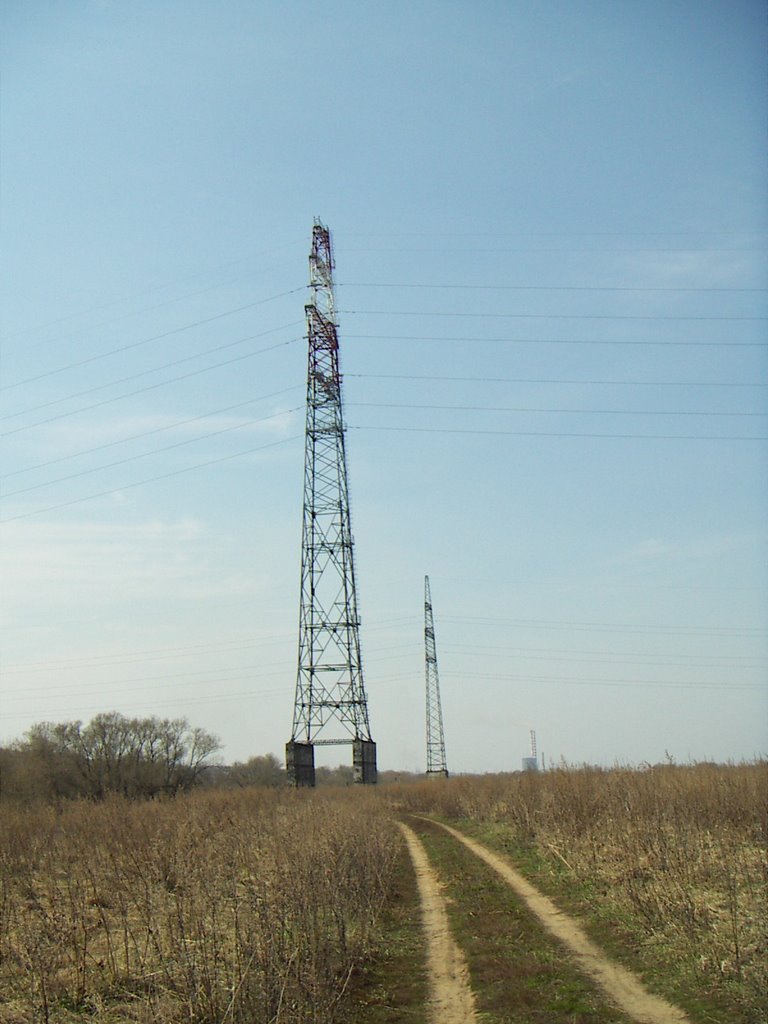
{"type": "Point", "coordinates": [519, 974]}
{"type": "Point", "coordinates": [612, 930]}
{"type": "Point", "coordinates": [392, 989]}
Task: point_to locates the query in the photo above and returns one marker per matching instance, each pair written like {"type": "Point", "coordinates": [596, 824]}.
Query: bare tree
{"type": "Point", "coordinates": [262, 770]}
{"type": "Point", "coordinates": [137, 757]}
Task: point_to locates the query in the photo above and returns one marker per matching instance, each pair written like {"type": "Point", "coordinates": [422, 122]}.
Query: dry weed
{"type": "Point", "coordinates": [675, 854]}
{"type": "Point", "coordinates": [249, 906]}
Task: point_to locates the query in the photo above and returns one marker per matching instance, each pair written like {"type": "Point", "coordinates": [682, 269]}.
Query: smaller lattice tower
{"type": "Point", "coordinates": [531, 763]}
{"type": "Point", "coordinates": [436, 765]}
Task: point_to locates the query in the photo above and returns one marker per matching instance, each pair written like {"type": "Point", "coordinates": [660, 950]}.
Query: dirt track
{"type": "Point", "coordinates": [619, 984]}
{"type": "Point", "coordinates": [451, 999]}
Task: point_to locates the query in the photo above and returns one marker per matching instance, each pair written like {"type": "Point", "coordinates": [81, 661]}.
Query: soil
{"type": "Point", "coordinates": [619, 984]}
{"type": "Point", "coordinates": [451, 999]}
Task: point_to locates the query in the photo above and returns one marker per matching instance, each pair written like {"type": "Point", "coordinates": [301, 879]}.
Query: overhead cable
{"type": "Point", "coordinates": [154, 451]}
{"type": "Point", "coordinates": [153, 369]}
{"type": "Point", "coordinates": [150, 480]}
{"type": "Point", "coordinates": [547, 287]}
{"type": "Point", "coordinates": [147, 341]}
{"type": "Point", "coordinates": [545, 316]}
{"type": "Point", "coordinates": [560, 341]}
{"type": "Point", "coordinates": [559, 380]}
{"type": "Point", "coordinates": [150, 387]}
{"type": "Point", "coordinates": [174, 425]}
{"type": "Point", "coordinates": [563, 433]}
{"type": "Point", "coordinates": [531, 409]}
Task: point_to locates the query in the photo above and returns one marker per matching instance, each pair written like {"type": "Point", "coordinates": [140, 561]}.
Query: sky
{"type": "Point", "coordinates": [549, 224]}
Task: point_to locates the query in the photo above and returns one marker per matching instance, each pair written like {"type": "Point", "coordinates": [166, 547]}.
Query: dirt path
{"type": "Point", "coordinates": [623, 987]}
{"type": "Point", "coordinates": [451, 998]}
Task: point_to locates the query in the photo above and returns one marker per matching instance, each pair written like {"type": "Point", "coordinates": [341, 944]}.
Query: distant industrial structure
{"type": "Point", "coordinates": [436, 763]}
{"type": "Point", "coordinates": [531, 763]}
{"type": "Point", "coordinates": [330, 705]}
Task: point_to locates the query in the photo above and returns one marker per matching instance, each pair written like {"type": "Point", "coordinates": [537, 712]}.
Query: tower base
{"type": "Point", "coordinates": [438, 773]}
{"type": "Point", "coordinates": [300, 763]}
{"type": "Point", "coordinates": [364, 761]}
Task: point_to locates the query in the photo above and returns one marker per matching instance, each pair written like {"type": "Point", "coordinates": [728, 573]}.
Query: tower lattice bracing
{"type": "Point", "coordinates": [331, 706]}
{"type": "Point", "coordinates": [436, 764]}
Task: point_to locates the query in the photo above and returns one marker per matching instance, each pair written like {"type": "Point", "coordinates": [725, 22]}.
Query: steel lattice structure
{"type": "Point", "coordinates": [436, 764]}
{"type": "Point", "coordinates": [331, 705]}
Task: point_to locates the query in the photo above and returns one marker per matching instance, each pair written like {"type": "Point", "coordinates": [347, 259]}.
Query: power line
{"type": "Point", "coordinates": [172, 701]}
{"type": "Point", "coordinates": [434, 430]}
{"type": "Point", "coordinates": [148, 433]}
{"type": "Point", "coordinates": [630, 683]}
{"type": "Point", "coordinates": [559, 341]}
{"type": "Point", "coordinates": [127, 685]}
{"type": "Point", "coordinates": [545, 316]}
{"type": "Point", "coordinates": [102, 661]}
{"type": "Point", "coordinates": [614, 627]}
{"type": "Point", "coordinates": [232, 673]}
{"type": "Point", "coordinates": [150, 387]}
{"type": "Point", "coordinates": [149, 480]}
{"type": "Point", "coordinates": [572, 249]}
{"type": "Point", "coordinates": [154, 369]}
{"type": "Point", "coordinates": [664, 685]}
{"type": "Point", "coordinates": [154, 451]}
{"type": "Point", "coordinates": [529, 409]}
{"type": "Point", "coordinates": [546, 287]}
{"type": "Point", "coordinates": [165, 653]}
{"type": "Point", "coordinates": [149, 291]}
{"type": "Point", "coordinates": [555, 234]}
{"type": "Point", "coordinates": [147, 341]}
{"type": "Point", "coordinates": [224, 647]}
{"type": "Point", "coordinates": [545, 380]}
{"type": "Point", "coordinates": [611, 657]}
{"type": "Point", "coordinates": [708, 663]}
{"type": "Point", "coordinates": [563, 433]}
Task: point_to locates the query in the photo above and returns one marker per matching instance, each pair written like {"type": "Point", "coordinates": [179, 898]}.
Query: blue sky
{"type": "Point", "coordinates": [550, 231]}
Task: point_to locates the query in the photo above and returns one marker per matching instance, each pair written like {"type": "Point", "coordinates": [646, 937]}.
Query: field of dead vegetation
{"type": "Point", "coordinates": [667, 865]}
{"type": "Point", "coordinates": [273, 906]}
{"type": "Point", "coordinates": [230, 907]}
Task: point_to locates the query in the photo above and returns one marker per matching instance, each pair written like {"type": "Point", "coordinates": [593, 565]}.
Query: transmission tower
{"type": "Point", "coordinates": [436, 766]}
{"type": "Point", "coordinates": [331, 706]}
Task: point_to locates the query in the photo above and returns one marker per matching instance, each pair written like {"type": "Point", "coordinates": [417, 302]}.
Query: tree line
{"type": "Point", "coordinates": [136, 757]}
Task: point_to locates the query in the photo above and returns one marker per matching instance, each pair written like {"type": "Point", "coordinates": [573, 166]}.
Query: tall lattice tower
{"type": "Point", "coordinates": [331, 707]}
{"type": "Point", "coordinates": [436, 765]}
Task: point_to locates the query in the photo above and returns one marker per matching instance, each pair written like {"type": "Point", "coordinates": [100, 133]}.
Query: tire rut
{"type": "Point", "coordinates": [620, 985]}
{"type": "Point", "coordinates": [451, 998]}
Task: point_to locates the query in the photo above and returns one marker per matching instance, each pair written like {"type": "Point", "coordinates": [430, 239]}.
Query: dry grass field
{"type": "Point", "coordinates": [270, 906]}
{"type": "Point", "coordinates": [228, 906]}
{"type": "Point", "coordinates": [668, 864]}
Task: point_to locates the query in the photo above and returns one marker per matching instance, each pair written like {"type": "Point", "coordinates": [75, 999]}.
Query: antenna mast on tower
{"type": "Point", "coordinates": [436, 765]}
{"type": "Point", "coordinates": [330, 706]}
